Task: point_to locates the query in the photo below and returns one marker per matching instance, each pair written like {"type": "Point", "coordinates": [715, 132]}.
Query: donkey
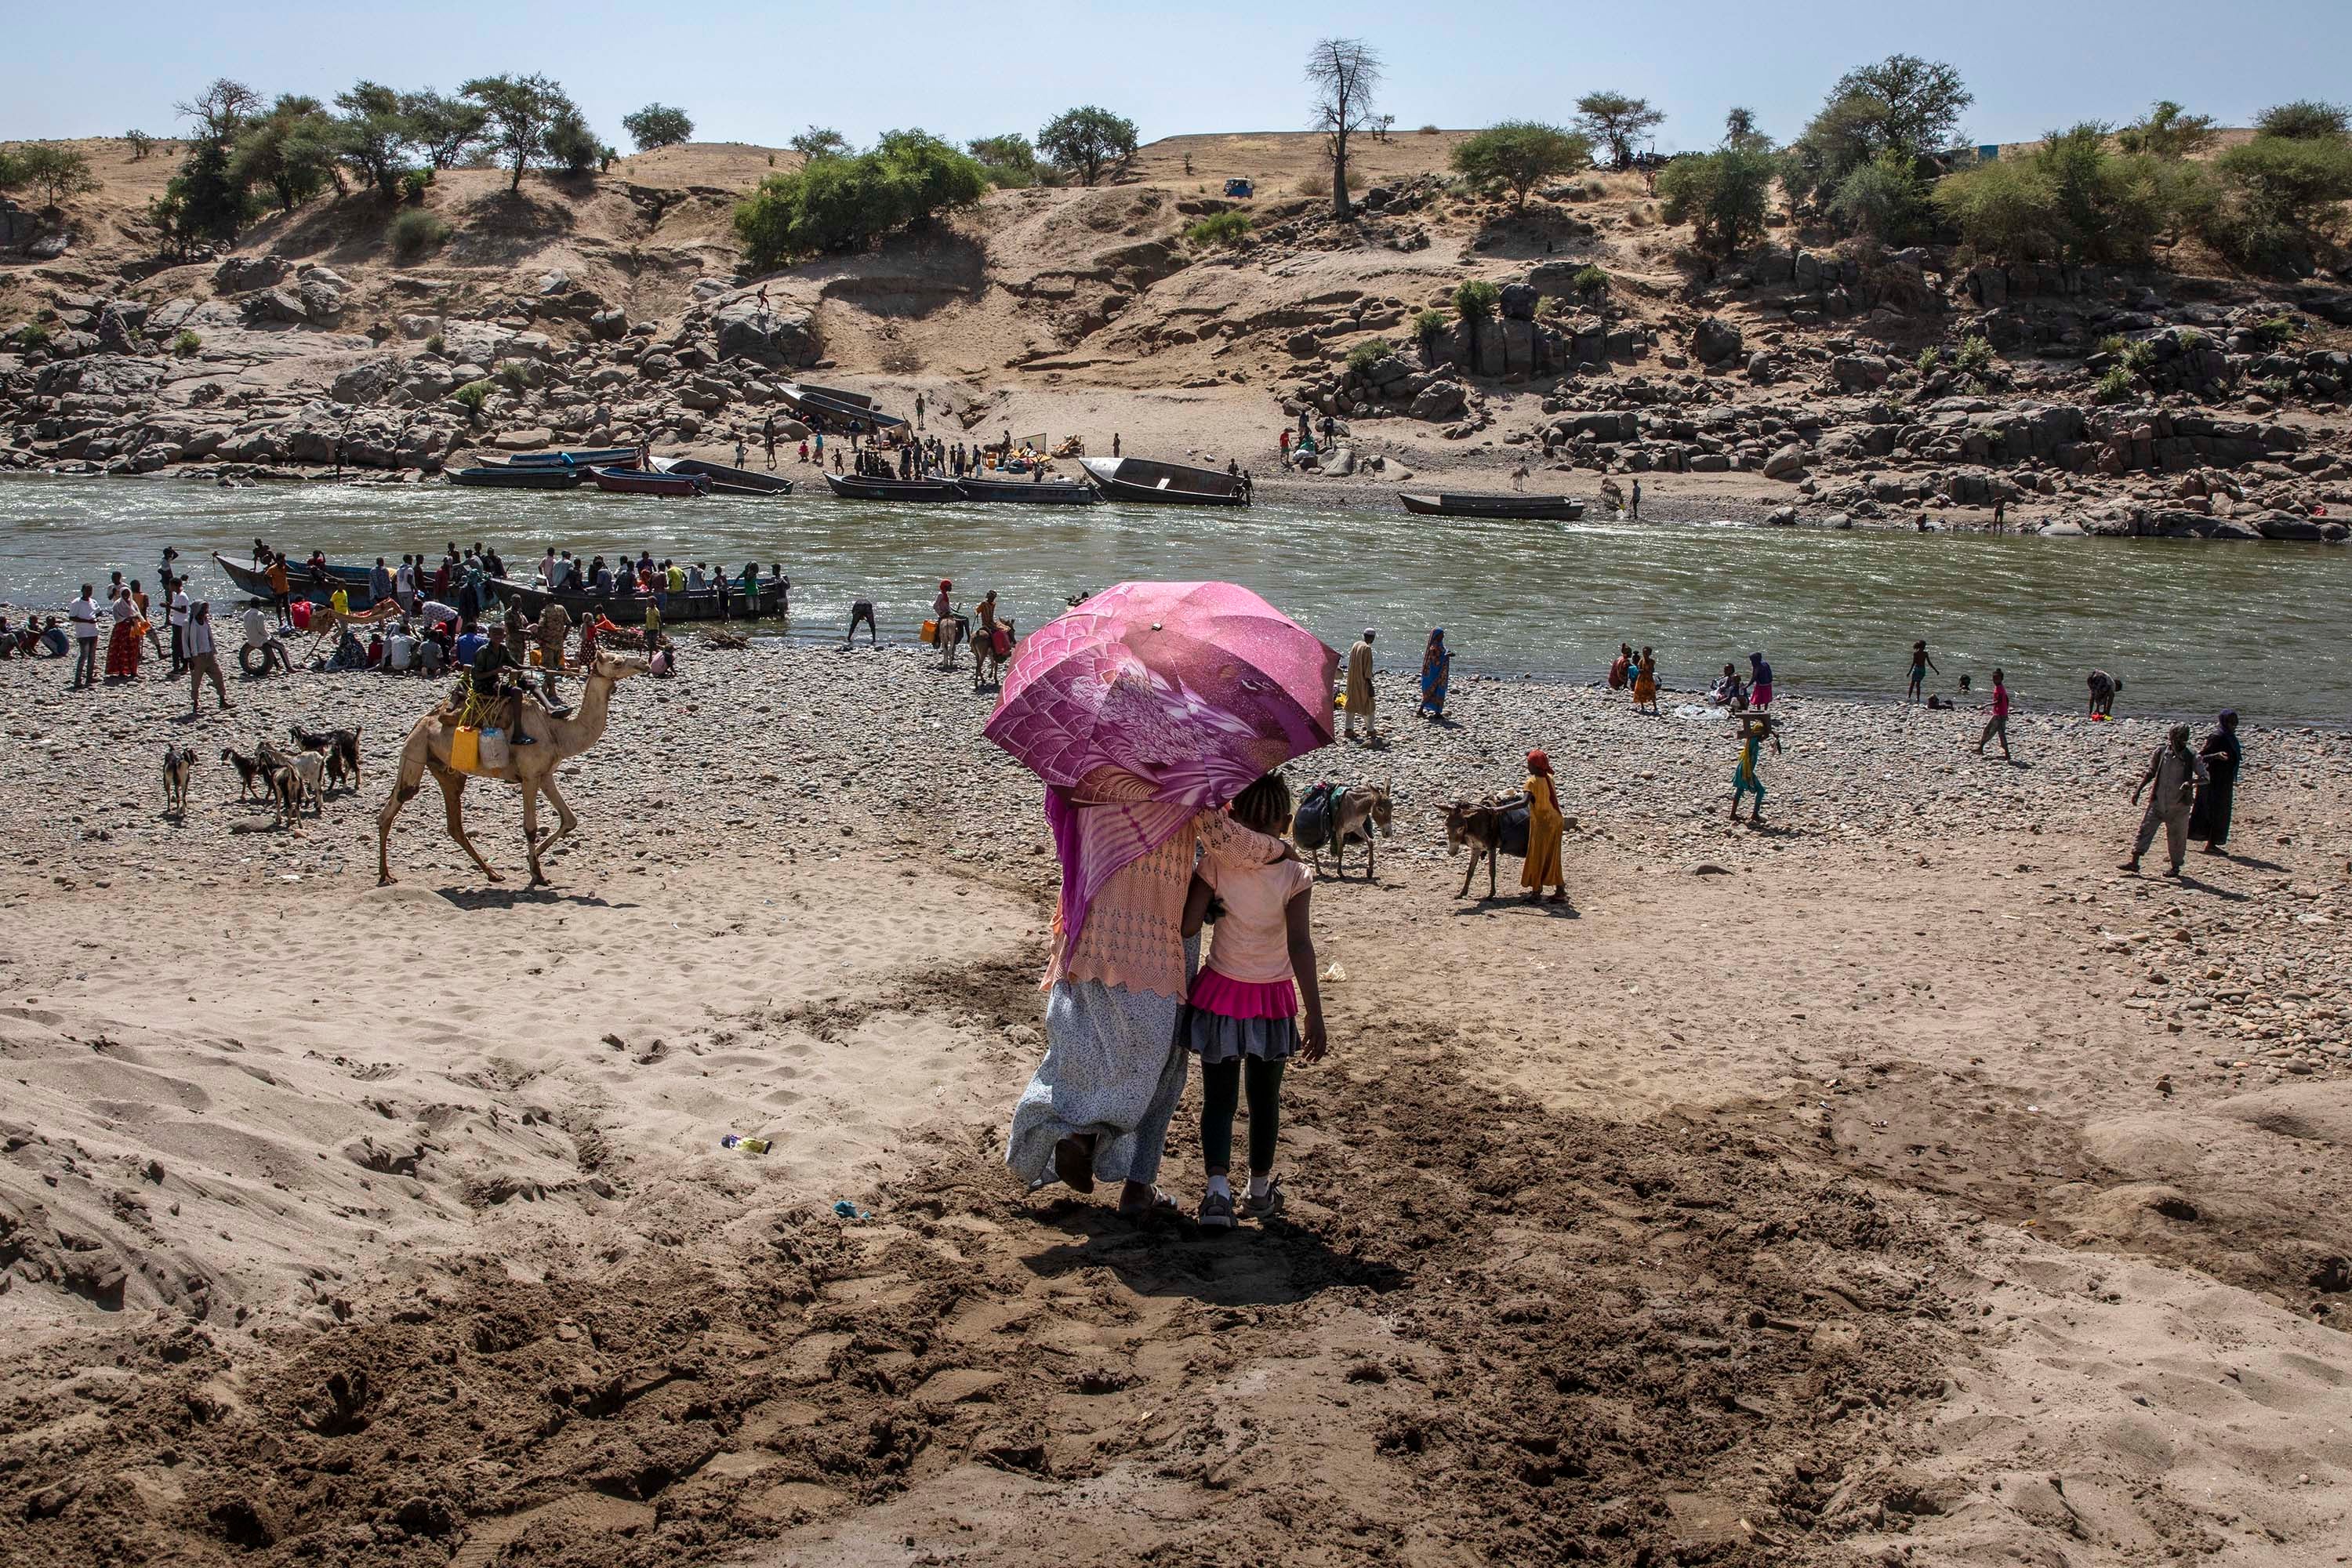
{"type": "Point", "coordinates": [1350, 814]}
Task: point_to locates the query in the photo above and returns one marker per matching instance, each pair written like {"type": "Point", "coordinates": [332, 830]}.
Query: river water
{"type": "Point", "coordinates": [2189, 627]}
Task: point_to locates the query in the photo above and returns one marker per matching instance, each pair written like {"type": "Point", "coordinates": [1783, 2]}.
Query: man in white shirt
{"type": "Point", "coordinates": [177, 616]}
{"type": "Point", "coordinates": [404, 584]}
{"type": "Point", "coordinates": [547, 567]}
{"type": "Point", "coordinates": [261, 634]}
{"type": "Point", "coordinates": [83, 614]}
{"type": "Point", "coordinates": [399, 651]}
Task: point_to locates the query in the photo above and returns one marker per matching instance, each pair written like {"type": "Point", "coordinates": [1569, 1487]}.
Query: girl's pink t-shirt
{"type": "Point", "coordinates": [2001, 701]}
{"type": "Point", "coordinates": [1253, 937]}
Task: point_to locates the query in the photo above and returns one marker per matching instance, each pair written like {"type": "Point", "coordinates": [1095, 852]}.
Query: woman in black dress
{"type": "Point", "coordinates": [2209, 819]}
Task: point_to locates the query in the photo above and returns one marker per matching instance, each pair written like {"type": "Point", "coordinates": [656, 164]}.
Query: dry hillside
{"type": "Point", "coordinates": [1791, 382]}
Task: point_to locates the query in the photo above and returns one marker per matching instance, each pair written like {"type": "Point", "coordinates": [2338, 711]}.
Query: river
{"type": "Point", "coordinates": [2189, 627]}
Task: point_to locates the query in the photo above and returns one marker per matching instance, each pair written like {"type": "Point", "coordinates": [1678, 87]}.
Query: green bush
{"type": "Point", "coordinates": [1365, 355]}
{"type": "Point", "coordinates": [2274, 331]}
{"type": "Point", "coordinates": [436, 344]}
{"type": "Point", "coordinates": [514, 375]}
{"type": "Point", "coordinates": [1930, 360]}
{"type": "Point", "coordinates": [414, 231]}
{"type": "Point", "coordinates": [1589, 281]}
{"type": "Point", "coordinates": [1975, 356]}
{"type": "Point", "coordinates": [1429, 131]}
{"type": "Point", "coordinates": [838, 203]}
{"type": "Point", "coordinates": [413, 184]}
{"type": "Point", "coordinates": [2276, 389]}
{"type": "Point", "coordinates": [32, 335]}
{"type": "Point", "coordinates": [141, 143]}
{"type": "Point", "coordinates": [1724, 197]}
{"type": "Point", "coordinates": [1476, 298]}
{"type": "Point", "coordinates": [2190, 338]}
{"type": "Point", "coordinates": [472, 395]}
{"type": "Point", "coordinates": [2280, 196]}
{"type": "Point", "coordinates": [57, 172]}
{"type": "Point", "coordinates": [1429, 322]}
{"type": "Point", "coordinates": [2115, 343]}
{"type": "Point", "coordinates": [2073, 199]}
{"type": "Point", "coordinates": [2304, 120]}
{"type": "Point", "coordinates": [1880, 200]}
{"type": "Point", "coordinates": [2139, 358]}
{"type": "Point", "coordinates": [186, 343]}
{"type": "Point", "coordinates": [1219, 229]}
{"type": "Point", "coordinates": [2116, 386]}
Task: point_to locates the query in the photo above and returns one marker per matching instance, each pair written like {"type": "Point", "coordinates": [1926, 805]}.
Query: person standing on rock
{"type": "Point", "coordinates": [1114, 442]}
{"type": "Point", "coordinates": [203, 660]}
{"type": "Point", "coordinates": [768, 439]}
{"type": "Point", "coordinates": [83, 614]}
{"type": "Point", "coordinates": [2224, 755]}
{"type": "Point", "coordinates": [1998, 724]}
{"type": "Point", "coordinates": [1645, 681]}
{"type": "Point", "coordinates": [918, 410]}
{"type": "Point", "coordinates": [2177, 774]}
{"type": "Point", "coordinates": [1359, 689]}
{"type": "Point", "coordinates": [1637, 501]}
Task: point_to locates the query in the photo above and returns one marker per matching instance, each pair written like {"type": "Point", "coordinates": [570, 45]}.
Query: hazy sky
{"type": "Point", "coordinates": [965, 71]}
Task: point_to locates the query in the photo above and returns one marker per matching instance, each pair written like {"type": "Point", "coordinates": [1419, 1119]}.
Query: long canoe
{"type": "Point", "coordinates": [629, 609]}
{"type": "Point", "coordinates": [591, 457]}
{"type": "Point", "coordinates": [861, 487]}
{"type": "Point", "coordinates": [631, 482]}
{"type": "Point", "coordinates": [839, 410]}
{"type": "Point", "coordinates": [253, 584]}
{"type": "Point", "coordinates": [1165, 484]}
{"type": "Point", "coordinates": [1027, 493]}
{"type": "Point", "coordinates": [729, 481]}
{"type": "Point", "coordinates": [1534, 508]}
{"type": "Point", "coordinates": [520, 477]}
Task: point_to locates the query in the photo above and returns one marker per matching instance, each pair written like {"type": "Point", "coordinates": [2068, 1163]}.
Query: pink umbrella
{"type": "Point", "coordinates": [1196, 688]}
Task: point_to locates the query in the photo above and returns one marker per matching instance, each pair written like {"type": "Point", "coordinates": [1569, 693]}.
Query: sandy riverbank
{"type": "Point", "coordinates": [1900, 1178]}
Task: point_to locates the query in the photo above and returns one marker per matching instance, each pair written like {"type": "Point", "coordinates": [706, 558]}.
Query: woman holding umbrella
{"type": "Point", "coordinates": [1145, 710]}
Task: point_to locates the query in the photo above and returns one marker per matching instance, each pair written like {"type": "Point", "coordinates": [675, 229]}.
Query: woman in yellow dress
{"type": "Point", "coordinates": [1646, 682]}
{"type": "Point", "coordinates": [1544, 824]}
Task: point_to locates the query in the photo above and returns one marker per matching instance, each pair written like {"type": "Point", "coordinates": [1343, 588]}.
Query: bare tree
{"type": "Point", "coordinates": [221, 111]}
{"type": "Point", "coordinates": [1346, 74]}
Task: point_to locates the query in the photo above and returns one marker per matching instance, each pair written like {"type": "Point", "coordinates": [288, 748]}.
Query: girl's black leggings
{"type": "Point", "coordinates": [1221, 1093]}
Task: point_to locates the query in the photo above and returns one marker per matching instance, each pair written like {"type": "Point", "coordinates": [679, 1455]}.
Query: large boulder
{"type": "Point", "coordinates": [1439, 401]}
{"type": "Point", "coordinates": [745, 329]}
{"type": "Point", "coordinates": [1860, 373]}
{"type": "Point", "coordinates": [1787, 463]}
{"type": "Point", "coordinates": [1717, 341]}
{"type": "Point", "coordinates": [1519, 300]}
{"type": "Point", "coordinates": [276, 304]}
{"type": "Point", "coordinates": [239, 274]}
{"type": "Point", "coordinates": [370, 380]}
{"type": "Point", "coordinates": [323, 291]}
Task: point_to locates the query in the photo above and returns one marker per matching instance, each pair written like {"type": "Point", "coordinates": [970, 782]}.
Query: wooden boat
{"type": "Point", "coordinates": [859, 487]}
{"type": "Point", "coordinates": [631, 482]}
{"type": "Point", "coordinates": [836, 410]}
{"type": "Point", "coordinates": [728, 481]}
{"type": "Point", "coordinates": [1027, 493]}
{"type": "Point", "coordinates": [524, 476]}
{"type": "Point", "coordinates": [254, 582]}
{"type": "Point", "coordinates": [593, 457]}
{"type": "Point", "coordinates": [629, 609]}
{"type": "Point", "coordinates": [1533, 508]}
{"type": "Point", "coordinates": [1165, 484]}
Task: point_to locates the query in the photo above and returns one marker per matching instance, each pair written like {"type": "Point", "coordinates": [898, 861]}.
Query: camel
{"type": "Point", "coordinates": [328, 626]}
{"type": "Point", "coordinates": [533, 767]}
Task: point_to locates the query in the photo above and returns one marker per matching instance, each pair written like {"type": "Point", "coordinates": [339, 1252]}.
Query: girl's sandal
{"type": "Point", "coordinates": [1266, 1207]}
{"type": "Point", "coordinates": [1074, 1162]}
{"type": "Point", "coordinates": [1160, 1202]}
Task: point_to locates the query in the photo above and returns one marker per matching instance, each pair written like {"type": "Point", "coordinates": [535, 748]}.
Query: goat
{"type": "Point", "coordinates": [339, 747]}
{"type": "Point", "coordinates": [310, 771]}
{"type": "Point", "coordinates": [179, 765]}
{"type": "Point", "coordinates": [248, 772]}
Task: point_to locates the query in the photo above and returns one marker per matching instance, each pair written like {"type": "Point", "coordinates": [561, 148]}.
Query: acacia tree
{"type": "Point", "coordinates": [220, 111]}
{"type": "Point", "coordinates": [1922, 103]}
{"type": "Point", "coordinates": [1088, 140]}
{"type": "Point", "coordinates": [1617, 122]}
{"type": "Point", "coordinates": [442, 128]}
{"type": "Point", "coordinates": [657, 125]}
{"type": "Point", "coordinates": [520, 112]}
{"type": "Point", "coordinates": [292, 150]}
{"type": "Point", "coordinates": [1519, 155]}
{"type": "Point", "coordinates": [1723, 196]}
{"type": "Point", "coordinates": [2169, 132]}
{"type": "Point", "coordinates": [820, 142]}
{"type": "Point", "coordinates": [372, 136]}
{"type": "Point", "coordinates": [58, 171]}
{"type": "Point", "coordinates": [1346, 76]}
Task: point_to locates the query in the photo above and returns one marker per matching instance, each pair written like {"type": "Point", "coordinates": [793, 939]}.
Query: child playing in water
{"type": "Point", "coordinates": [1920, 665]}
{"type": "Point", "coordinates": [1242, 1019]}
